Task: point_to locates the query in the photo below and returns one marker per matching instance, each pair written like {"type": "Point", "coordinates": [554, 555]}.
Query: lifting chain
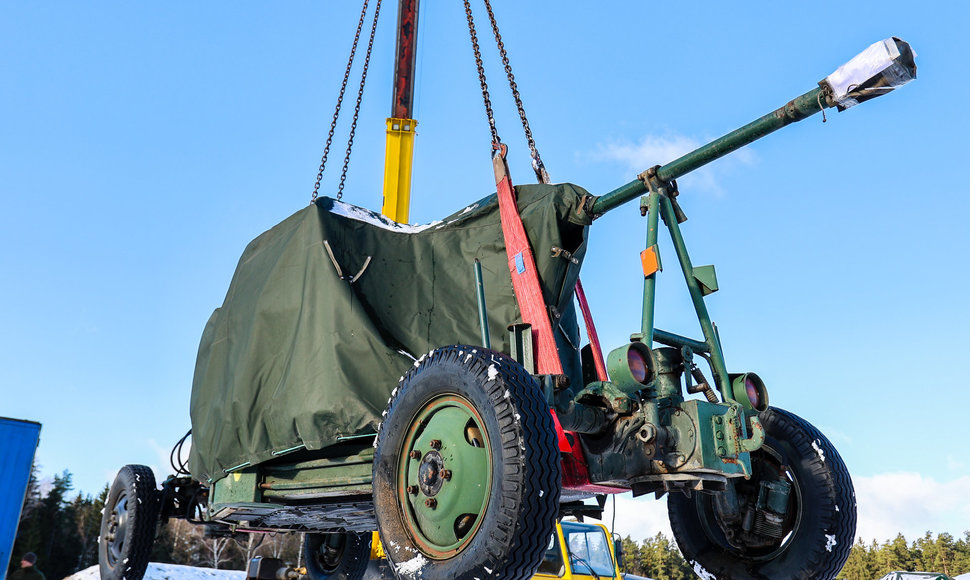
{"type": "Point", "coordinates": [481, 73]}
{"type": "Point", "coordinates": [340, 98]}
{"type": "Point", "coordinates": [360, 95]}
{"type": "Point", "coordinates": [541, 174]}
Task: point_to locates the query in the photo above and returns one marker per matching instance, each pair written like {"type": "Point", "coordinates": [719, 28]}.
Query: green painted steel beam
{"type": "Point", "coordinates": [676, 340]}
{"type": "Point", "coordinates": [795, 110]}
{"type": "Point", "coordinates": [697, 298]}
{"type": "Point", "coordinates": [482, 310]}
{"type": "Point", "coordinates": [652, 206]}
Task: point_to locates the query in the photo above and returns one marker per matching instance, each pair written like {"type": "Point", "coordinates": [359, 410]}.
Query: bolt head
{"type": "Point", "coordinates": [415, 454]}
{"type": "Point", "coordinates": [412, 489]}
{"type": "Point", "coordinates": [446, 474]}
{"type": "Point", "coordinates": [431, 502]}
{"type": "Point", "coordinates": [435, 444]}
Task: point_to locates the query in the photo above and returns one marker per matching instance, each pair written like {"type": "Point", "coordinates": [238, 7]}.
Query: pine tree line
{"type": "Point", "coordinates": [656, 557]}
{"type": "Point", "coordinates": [61, 530]}
{"type": "Point", "coordinates": [659, 558]}
{"type": "Point", "coordinates": [942, 554]}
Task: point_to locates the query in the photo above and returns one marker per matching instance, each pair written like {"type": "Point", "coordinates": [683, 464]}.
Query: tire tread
{"type": "Point", "coordinates": [837, 511]}
{"type": "Point", "coordinates": [139, 483]}
{"type": "Point", "coordinates": [529, 503]}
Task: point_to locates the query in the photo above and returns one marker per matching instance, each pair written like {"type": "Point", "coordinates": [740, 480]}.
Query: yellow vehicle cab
{"type": "Point", "coordinates": [577, 551]}
{"type": "Point", "coordinates": [580, 551]}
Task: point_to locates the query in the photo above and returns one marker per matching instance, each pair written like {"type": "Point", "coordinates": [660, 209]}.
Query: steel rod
{"type": "Point", "coordinates": [650, 282]}
{"type": "Point", "coordinates": [482, 312]}
{"type": "Point", "coordinates": [795, 110]}
{"type": "Point", "coordinates": [697, 298]}
{"type": "Point", "coordinates": [671, 339]}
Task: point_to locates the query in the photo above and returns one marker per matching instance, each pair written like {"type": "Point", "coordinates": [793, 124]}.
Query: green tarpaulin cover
{"type": "Point", "coordinates": [300, 354]}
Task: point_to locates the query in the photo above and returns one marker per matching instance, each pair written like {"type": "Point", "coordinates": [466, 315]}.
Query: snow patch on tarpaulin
{"type": "Point", "coordinates": [375, 219]}
{"type": "Point", "coordinates": [299, 355]}
{"type": "Point", "coordinates": [168, 572]}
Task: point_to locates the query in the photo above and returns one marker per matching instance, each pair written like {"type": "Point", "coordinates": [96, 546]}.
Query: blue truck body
{"type": "Point", "coordinates": [18, 442]}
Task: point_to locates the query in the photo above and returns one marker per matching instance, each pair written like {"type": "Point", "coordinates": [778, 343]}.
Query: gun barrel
{"type": "Point", "coordinates": [795, 110]}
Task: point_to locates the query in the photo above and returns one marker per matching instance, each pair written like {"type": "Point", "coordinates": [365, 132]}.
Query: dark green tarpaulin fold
{"type": "Point", "coordinates": [299, 356]}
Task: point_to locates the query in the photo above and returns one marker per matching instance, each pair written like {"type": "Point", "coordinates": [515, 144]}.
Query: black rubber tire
{"type": "Point", "coordinates": [822, 513]}
{"type": "Point", "coordinates": [128, 524]}
{"type": "Point", "coordinates": [347, 560]}
{"type": "Point", "coordinates": [525, 481]}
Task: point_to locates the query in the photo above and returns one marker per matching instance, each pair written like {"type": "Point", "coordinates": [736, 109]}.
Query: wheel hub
{"type": "Point", "coordinates": [429, 473]}
{"type": "Point", "coordinates": [330, 553]}
{"type": "Point", "coordinates": [117, 529]}
{"type": "Point", "coordinates": [445, 475]}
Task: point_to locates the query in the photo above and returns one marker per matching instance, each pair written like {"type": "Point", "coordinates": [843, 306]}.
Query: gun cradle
{"type": "Point", "coordinates": [656, 440]}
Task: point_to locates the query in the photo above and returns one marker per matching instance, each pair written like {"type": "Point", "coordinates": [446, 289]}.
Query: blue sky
{"type": "Point", "coordinates": [143, 145]}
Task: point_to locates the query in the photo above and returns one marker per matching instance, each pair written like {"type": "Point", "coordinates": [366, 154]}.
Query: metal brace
{"type": "Point", "coordinates": [649, 179]}
{"type": "Point", "coordinates": [558, 252]}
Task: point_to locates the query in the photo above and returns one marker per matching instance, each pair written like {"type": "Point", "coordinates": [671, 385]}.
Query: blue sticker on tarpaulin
{"type": "Point", "coordinates": [519, 263]}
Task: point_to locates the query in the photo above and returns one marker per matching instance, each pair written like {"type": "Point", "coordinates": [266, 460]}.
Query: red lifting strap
{"type": "Point", "coordinates": [522, 267]}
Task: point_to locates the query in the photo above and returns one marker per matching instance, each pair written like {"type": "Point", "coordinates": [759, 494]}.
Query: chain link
{"type": "Point", "coordinates": [537, 165]}
{"type": "Point", "coordinates": [481, 72]}
{"type": "Point", "coordinates": [340, 99]}
{"type": "Point", "coordinates": [360, 95]}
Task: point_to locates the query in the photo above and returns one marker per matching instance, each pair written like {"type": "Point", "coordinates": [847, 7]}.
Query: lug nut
{"type": "Point", "coordinates": [436, 444]}
{"type": "Point", "coordinates": [415, 454]}
{"type": "Point", "coordinates": [431, 502]}
{"type": "Point", "coordinates": [412, 489]}
{"type": "Point", "coordinates": [445, 474]}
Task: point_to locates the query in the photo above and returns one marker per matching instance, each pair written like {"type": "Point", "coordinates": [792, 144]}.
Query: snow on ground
{"type": "Point", "coordinates": [168, 572]}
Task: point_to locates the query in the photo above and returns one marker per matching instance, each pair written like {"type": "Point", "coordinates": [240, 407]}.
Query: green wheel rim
{"type": "Point", "coordinates": [445, 474]}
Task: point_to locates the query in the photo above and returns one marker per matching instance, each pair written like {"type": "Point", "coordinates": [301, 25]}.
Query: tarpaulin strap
{"type": "Point", "coordinates": [340, 273]}
{"type": "Point", "coordinates": [522, 267]}
{"type": "Point", "coordinates": [564, 444]}
{"type": "Point", "coordinates": [594, 339]}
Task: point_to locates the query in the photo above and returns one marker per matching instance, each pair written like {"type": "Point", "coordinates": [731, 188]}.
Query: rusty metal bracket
{"type": "Point", "coordinates": [669, 189]}
{"type": "Point", "coordinates": [558, 252]}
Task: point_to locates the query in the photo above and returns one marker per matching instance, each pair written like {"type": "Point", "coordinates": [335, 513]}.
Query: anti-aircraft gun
{"type": "Point", "coordinates": [301, 422]}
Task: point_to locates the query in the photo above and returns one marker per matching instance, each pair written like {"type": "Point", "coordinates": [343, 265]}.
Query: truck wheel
{"type": "Point", "coordinates": [467, 469]}
{"type": "Point", "coordinates": [808, 536]}
{"type": "Point", "coordinates": [128, 524]}
{"type": "Point", "coordinates": [336, 556]}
